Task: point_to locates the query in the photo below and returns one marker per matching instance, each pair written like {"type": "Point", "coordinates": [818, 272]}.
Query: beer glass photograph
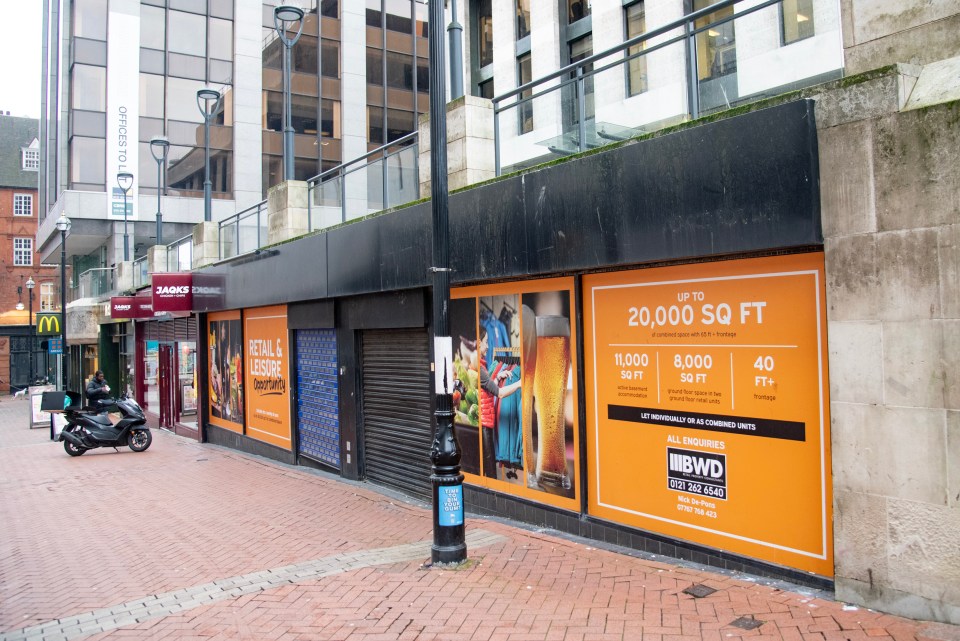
{"type": "Point", "coordinates": [549, 388]}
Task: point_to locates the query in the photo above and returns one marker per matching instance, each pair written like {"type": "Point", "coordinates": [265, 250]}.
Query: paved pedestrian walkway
{"type": "Point", "coordinates": [190, 541]}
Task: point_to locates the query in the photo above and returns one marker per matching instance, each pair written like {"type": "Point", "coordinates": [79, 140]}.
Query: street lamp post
{"type": "Point", "coordinates": [208, 100]}
{"type": "Point", "coordinates": [455, 31]}
{"type": "Point", "coordinates": [449, 542]}
{"type": "Point", "coordinates": [158, 148]}
{"type": "Point", "coordinates": [125, 182]}
{"type": "Point", "coordinates": [63, 225]}
{"type": "Point", "coordinates": [283, 18]}
{"type": "Point", "coordinates": [30, 284]}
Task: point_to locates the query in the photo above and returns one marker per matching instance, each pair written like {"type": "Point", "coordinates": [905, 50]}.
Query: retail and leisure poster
{"type": "Point", "coordinates": [226, 370]}
{"type": "Point", "coordinates": [707, 405]}
{"type": "Point", "coordinates": [267, 375]}
{"type": "Point", "coordinates": [515, 393]}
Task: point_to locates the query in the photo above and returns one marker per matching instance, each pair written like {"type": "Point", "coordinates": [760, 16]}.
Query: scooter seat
{"type": "Point", "coordinates": [102, 419]}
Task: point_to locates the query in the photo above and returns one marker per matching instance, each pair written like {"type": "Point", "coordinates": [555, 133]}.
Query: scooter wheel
{"type": "Point", "coordinates": [72, 449]}
{"type": "Point", "coordinates": [139, 440]}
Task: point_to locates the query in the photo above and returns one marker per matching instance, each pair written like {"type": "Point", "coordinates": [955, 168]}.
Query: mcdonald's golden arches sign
{"type": "Point", "coordinates": [48, 324]}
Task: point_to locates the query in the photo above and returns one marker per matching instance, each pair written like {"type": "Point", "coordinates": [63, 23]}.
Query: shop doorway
{"type": "Point", "coordinates": [166, 383]}
{"type": "Point", "coordinates": [167, 378]}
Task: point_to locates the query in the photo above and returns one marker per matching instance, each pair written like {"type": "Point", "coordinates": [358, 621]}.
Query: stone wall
{"type": "Point", "coordinates": [880, 32]}
{"type": "Point", "coordinates": [890, 181]}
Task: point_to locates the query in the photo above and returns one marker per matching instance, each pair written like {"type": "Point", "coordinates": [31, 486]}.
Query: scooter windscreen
{"type": "Point", "coordinates": [129, 407]}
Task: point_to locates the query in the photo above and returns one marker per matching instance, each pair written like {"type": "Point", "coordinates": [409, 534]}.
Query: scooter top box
{"type": "Point", "coordinates": [57, 402]}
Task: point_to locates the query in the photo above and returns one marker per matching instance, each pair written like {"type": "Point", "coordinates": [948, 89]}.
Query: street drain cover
{"type": "Point", "coordinates": [699, 590]}
{"type": "Point", "coordinates": [747, 623]}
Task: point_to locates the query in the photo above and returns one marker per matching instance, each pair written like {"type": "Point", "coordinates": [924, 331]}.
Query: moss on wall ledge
{"type": "Point", "coordinates": [800, 94]}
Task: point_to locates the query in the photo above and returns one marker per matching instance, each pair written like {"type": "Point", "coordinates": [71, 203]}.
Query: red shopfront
{"type": "Point", "coordinates": [166, 352]}
{"type": "Point", "coordinates": [166, 377]}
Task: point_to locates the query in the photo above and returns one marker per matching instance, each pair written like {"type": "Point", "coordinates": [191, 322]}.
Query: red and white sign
{"type": "Point", "coordinates": [123, 307]}
{"type": "Point", "coordinates": [172, 292]}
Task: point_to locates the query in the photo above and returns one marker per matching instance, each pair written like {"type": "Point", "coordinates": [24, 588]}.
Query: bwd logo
{"type": "Point", "coordinates": [48, 324]}
{"type": "Point", "coordinates": [703, 473]}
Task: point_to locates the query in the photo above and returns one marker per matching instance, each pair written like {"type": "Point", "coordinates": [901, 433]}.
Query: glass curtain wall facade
{"type": "Point", "coordinates": [398, 72]}
{"type": "Point", "coordinates": [174, 64]}
{"type": "Point", "coordinates": [185, 45]}
{"type": "Point", "coordinates": [397, 75]}
{"type": "Point", "coordinates": [314, 93]}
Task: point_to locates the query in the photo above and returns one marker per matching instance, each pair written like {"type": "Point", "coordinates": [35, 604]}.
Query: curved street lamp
{"type": "Point", "coordinates": [159, 146]}
{"type": "Point", "coordinates": [30, 284]}
{"type": "Point", "coordinates": [125, 182]}
{"type": "Point", "coordinates": [208, 100]}
{"type": "Point", "coordinates": [63, 226]}
{"type": "Point", "coordinates": [283, 18]}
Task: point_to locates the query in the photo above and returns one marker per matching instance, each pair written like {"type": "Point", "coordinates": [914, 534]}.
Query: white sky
{"type": "Point", "coordinates": [20, 41]}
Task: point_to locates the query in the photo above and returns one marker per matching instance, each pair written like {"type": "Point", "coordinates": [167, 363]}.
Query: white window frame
{"type": "Point", "coordinates": [23, 251]}
{"type": "Point", "coordinates": [18, 209]}
{"type": "Point", "coordinates": [47, 297]}
{"type": "Point", "coordinates": [30, 159]}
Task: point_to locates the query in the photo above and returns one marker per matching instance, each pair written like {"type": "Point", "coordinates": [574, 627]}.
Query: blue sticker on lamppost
{"type": "Point", "coordinates": [451, 505]}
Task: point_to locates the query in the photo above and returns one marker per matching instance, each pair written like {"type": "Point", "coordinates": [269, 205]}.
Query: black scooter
{"type": "Point", "coordinates": [90, 427]}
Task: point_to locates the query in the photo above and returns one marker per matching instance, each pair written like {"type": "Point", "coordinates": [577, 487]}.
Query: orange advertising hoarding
{"type": "Point", "coordinates": [267, 374]}
{"type": "Point", "coordinates": [225, 375]}
{"type": "Point", "coordinates": [707, 405]}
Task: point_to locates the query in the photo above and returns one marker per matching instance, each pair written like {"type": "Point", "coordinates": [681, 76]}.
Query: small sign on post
{"type": "Point", "coordinates": [55, 346]}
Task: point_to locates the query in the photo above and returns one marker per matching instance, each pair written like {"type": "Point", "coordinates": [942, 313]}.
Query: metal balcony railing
{"type": "Point", "coordinates": [94, 283]}
{"type": "Point", "coordinates": [730, 53]}
{"type": "Point", "coordinates": [180, 255]}
{"type": "Point", "coordinates": [386, 177]}
{"type": "Point", "coordinates": [141, 276]}
{"type": "Point", "coordinates": [244, 232]}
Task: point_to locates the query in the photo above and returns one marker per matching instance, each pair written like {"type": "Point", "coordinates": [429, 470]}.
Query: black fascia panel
{"type": "Point", "coordinates": [353, 259]}
{"type": "Point", "coordinates": [744, 184]}
{"type": "Point", "coordinates": [275, 275]}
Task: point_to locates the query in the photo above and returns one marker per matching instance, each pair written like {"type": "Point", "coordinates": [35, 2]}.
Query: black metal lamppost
{"type": "Point", "coordinates": [449, 542]}
{"type": "Point", "coordinates": [125, 182]}
{"type": "Point", "coordinates": [158, 148]}
{"type": "Point", "coordinates": [283, 18]}
{"type": "Point", "coordinates": [208, 100]}
{"type": "Point", "coordinates": [63, 225]}
{"type": "Point", "coordinates": [30, 284]}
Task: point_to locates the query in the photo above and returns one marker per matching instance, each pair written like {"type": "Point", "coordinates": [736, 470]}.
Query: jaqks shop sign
{"type": "Point", "coordinates": [172, 292]}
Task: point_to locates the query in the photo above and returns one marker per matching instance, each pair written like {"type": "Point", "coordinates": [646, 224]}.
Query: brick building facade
{"type": "Point", "coordinates": [19, 260]}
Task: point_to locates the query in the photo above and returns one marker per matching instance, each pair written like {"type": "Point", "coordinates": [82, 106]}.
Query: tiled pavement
{"type": "Point", "coordinates": [191, 541]}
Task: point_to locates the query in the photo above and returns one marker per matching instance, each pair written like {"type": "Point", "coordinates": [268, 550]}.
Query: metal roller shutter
{"type": "Point", "coordinates": [318, 413]}
{"type": "Point", "coordinates": [177, 329]}
{"type": "Point", "coordinates": [397, 409]}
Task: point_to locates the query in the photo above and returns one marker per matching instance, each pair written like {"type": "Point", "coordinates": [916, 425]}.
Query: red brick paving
{"type": "Point", "coordinates": [77, 534]}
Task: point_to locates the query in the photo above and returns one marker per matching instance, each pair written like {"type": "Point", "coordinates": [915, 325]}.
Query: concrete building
{"type": "Point", "coordinates": [119, 72]}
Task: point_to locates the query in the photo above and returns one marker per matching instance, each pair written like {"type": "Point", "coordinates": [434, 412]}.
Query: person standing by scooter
{"type": "Point", "coordinates": [97, 388]}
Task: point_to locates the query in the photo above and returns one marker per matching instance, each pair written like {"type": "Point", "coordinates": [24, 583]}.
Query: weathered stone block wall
{"type": "Point", "coordinates": [83, 323]}
{"type": "Point", "coordinates": [877, 33]}
{"type": "Point", "coordinates": [890, 185]}
{"type": "Point", "coordinates": [470, 144]}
